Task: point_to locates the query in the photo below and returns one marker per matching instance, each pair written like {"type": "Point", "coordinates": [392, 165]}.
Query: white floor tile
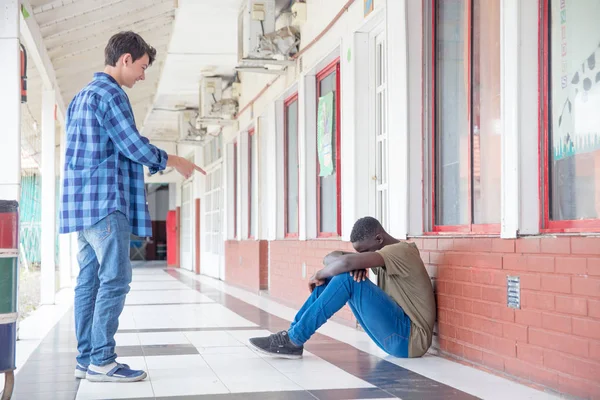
{"type": "Point", "coordinates": [165, 296]}
{"type": "Point", "coordinates": [258, 382]}
{"type": "Point", "coordinates": [158, 285]}
{"type": "Point", "coordinates": [153, 278]}
{"type": "Point", "coordinates": [191, 361]}
{"type": "Point", "coordinates": [213, 339]}
{"type": "Point", "coordinates": [185, 382]}
{"type": "Point", "coordinates": [111, 390]}
{"type": "Point", "coordinates": [162, 338]}
{"type": "Point", "coordinates": [127, 339]}
{"type": "Point", "coordinates": [233, 353]}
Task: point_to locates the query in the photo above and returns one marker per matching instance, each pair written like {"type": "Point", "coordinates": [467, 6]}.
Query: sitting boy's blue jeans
{"type": "Point", "coordinates": [380, 316]}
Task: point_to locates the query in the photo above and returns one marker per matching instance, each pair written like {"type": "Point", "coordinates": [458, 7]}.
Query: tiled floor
{"type": "Point", "coordinates": [191, 333]}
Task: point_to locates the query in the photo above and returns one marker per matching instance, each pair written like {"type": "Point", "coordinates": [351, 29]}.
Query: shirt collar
{"type": "Point", "coordinates": [105, 76]}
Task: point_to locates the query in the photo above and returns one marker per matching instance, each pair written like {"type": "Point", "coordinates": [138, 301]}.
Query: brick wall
{"type": "Point", "coordinates": [246, 264]}
{"type": "Point", "coordinates": [287, 283]}
{"type": "Point", "coordinates": [554, 339]}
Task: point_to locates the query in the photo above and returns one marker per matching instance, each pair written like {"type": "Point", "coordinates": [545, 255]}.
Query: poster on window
{"type": "Point", "coordinates": [575, 77]}
{"type": "Point", "coordinates": [325, 134]}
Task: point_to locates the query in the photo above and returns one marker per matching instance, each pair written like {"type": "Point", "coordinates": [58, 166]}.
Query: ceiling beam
{"type": "Point", "coordinates": [57, 32]}
{"type": "Point", "coordinates": [30, 30]}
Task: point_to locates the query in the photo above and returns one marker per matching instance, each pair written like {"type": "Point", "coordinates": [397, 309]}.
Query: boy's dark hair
{"type": "Point", "coordinates": [365, 228]}
{"type": "Point", "coordinates": [127, 42]}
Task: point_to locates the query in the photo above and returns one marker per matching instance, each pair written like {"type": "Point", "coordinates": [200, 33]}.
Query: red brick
{"type": "Point", "coordinates": [503, 245]}
{"type": "Point", "coordinates": [589, 328]}
{"type": "Point", "coordinates": [429, 244]}
{"type": "Point", "coordinates": [454, 288]}
{"type": "Point", "coordinates": [531, 282]}
{"type": "Point", "coordinates": [446, 302]}
{"type": "Point", "coordinates": [454, 318]}
{"type": "Point", "coordinates": [558, 341]}
{"type": "Point", "coordinates": [585, 245]}
{"type": "Point", "coordinates": [595, 350]}
{"type": "Point", "coordinates": [530, 354]}
{"type": "Point", "coordinates": [446, 330]}
{"type": "Point", "coordinates": [586, 286]}
{"type": "Point", "coordinates": [528, 371]}
{"type": "Point", "coordinates": [516, 332]}
{"type": "Point", "coordinates": [593, 308]}
{"type": "Point", "coordinates": [425, 256]}
{"type": "Point", "coordinates": [481, 244]}
{"type": "Point", "coordinates": [498, 345]}
{"type": "Point", "coordinates": [537, 300]}
{"type": "Point", "coordinates": [561, 245]}
{"type": "Point", "coordinates": [471, 291]}
{"type": "Point", "coordinates": [455, 348]}
{"type": "Point", "coordinates": [462, 244]}
{"type": "Point", "coordinates": [493, 361]}
{"type": "Point", "coordinates": [579, 387]}
{"type": "Point", "coordinates": [571, 305]}
{"type": "Point", "coordinates": [486, 261]}
{"type": "Point", "coordinates": [571, 265]}
{"type": "Point", "coordinates": [526, 245]}
{"type": "Point", "coordinates": [556, 283]}
{"type": "Point", "coordinates": [472, 354]}
{"type": "Point", "coordinates": [463, 305]}
{"type": "Point", "coordinates": [559, 361]}
{"type": "Point", "coordinates": [593, 266]}
{"type": "Point", "coordinates": [418, 242]}
{"type": "Point", "coordinates": [556, 322]}
{"type": "Point", "coordinates": [445, 244]}
{"type": "Point", "coordinates": [493, 311]}
{"type": "Point", "coordinates": [462, 274]}
{"type": "Point", "coordinates": [482, 325]}
{"type": "Point", "coordinates": [586, 370]}
{"type": "Point", "coordinates": [464, 335]}
{"type": "Point", "coordinates": [481, 276]}
{"type": "Point", "coordinates": [445, 273]}
{"type": "Point", "coordinates": [495, 295]}
{"type": "Point", "coordinates": [540, 264]}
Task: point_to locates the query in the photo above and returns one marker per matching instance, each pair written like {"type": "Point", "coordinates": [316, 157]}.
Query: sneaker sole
{"type": "Point", "coordinates": [106, 378]}
{"type": "Point", "coordinates": [279, 355]}
{"type": "Point", "coordinates": [80, 374]}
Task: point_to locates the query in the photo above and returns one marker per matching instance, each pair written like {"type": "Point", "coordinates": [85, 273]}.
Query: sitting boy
{"type": "Point", "coordinates": [398, 314]}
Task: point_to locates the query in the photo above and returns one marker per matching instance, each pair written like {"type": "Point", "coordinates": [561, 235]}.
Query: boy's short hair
{"type": "Point", "coordinates": [365, 228]}
{"type": "Point", "coordinates": [127, 42]}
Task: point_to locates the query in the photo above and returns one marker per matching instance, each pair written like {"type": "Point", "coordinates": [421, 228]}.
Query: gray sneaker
{"type": "Point", "coordinates": [278, 345]}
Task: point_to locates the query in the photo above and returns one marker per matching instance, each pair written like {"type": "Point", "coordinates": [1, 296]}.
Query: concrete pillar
{"type": "Point", "coordinates": [10, 185]}
{"type": "Point", "coordinates": [48, 275]}
{"type": "Point", "coordinates": [64, 241]}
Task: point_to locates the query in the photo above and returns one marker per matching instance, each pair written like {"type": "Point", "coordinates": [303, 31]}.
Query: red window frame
{"type": "Point", "coordinates": [470, 228]}
{"type": "Point", "coordinates": [548, 225]}
{"type": "Point", "coordinates": [334, 66]}
{"type": "Point", "coordinates": [286, 104]}
{"type": "Point", "coordinates": [235, 184]}
{"type": "Point", "coordinates": [250, 182]}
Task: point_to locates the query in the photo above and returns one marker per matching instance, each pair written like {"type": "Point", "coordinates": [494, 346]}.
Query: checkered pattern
{"type": "Point", "coordinates": [105, 155]}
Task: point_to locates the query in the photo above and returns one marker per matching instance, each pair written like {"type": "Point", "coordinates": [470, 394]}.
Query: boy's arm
{"type": "Point", "coordinates": [350, 262]}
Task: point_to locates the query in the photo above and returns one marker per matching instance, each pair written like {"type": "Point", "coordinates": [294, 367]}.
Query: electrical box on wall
{"type": "Point", "coordinates": [299, 13]}
{"type": "Point", "coordinates": [256, 18]}
{"type": "Point", "coordinates": [211, 91]}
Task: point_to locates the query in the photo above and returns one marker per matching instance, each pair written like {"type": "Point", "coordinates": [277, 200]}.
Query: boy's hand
{"type": "Point", "coordinates": [359, 275]}
{"type": "Point", "coordinates": [315, 281]}
{"type": "Point", "coordinates": [183, 166]}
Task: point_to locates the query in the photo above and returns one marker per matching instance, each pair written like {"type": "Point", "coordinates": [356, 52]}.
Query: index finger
{"type": "Point", "coordinates": [197, 168]}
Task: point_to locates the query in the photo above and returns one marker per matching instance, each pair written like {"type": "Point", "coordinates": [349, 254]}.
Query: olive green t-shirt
{"type": "Point", "coordinates": [406, 280]}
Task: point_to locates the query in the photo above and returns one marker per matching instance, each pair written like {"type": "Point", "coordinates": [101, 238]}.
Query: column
{"type": "Point", "coordinates": [48, 273]}
{"type": "Point", "coordinates": [10, 184]}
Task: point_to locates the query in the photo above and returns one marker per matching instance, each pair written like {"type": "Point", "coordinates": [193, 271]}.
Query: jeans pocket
{"type": "Point", "coordinates": [101, 229]}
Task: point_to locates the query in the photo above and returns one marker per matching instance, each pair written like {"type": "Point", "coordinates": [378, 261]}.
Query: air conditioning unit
{"type": "Point", "coordinates": [256, 19]}
{"type": "Point", "coordinates": [211, 93]}
{"type": "Point", "coordinates": [190, 130]}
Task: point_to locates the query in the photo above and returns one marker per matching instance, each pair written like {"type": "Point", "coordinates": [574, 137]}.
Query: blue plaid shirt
{"type": "Point", "coordinates": [105, 155]}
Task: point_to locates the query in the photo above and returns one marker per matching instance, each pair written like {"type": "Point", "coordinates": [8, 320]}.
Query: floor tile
{"type": "Point", "coordinates": [147, 339]}
{"type": "Point", "coordinates": [175, 362]}
{"type": "Point", "coordinates": [111, 390]}
{"type": "Point", "coordinates": [197, 380]}
{"type": "Point", "coordinates": [127, 339]}
{"type": "Point", "coordinates": [212, 339]}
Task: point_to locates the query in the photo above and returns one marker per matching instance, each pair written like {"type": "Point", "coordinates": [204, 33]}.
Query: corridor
{"type": "Point", "coordinates": [190, 333]}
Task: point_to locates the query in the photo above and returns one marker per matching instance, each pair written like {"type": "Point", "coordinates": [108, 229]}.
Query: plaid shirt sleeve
{"type": "Point", "coordinates": [120, 125]}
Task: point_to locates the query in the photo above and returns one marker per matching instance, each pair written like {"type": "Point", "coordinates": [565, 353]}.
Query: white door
{"type": "Point", "coordinates": [381, 132]}
{"type": "Point", "coordinates": [187, 224]}
{"type": "Point", "coordinates": [212, 246]}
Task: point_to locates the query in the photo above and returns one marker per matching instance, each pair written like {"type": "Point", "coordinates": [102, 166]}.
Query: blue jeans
{"type": "Point", "coordinates": [102, 284]}
{"type": "Point", "coordinates": [380, 316]}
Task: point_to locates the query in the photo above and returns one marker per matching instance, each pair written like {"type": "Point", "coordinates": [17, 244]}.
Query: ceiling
{"type": "Point", "coordinates": [192, 38]}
